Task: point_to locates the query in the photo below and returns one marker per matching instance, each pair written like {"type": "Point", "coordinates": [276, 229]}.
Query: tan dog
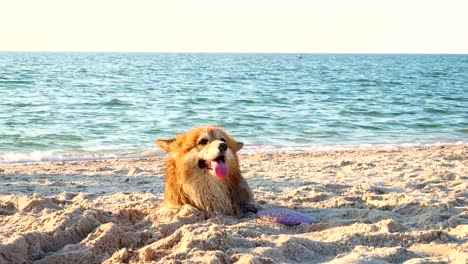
{"type": "Point", "coordinates": [203, 170]}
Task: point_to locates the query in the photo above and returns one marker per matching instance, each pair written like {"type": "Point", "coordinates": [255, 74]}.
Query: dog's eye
{"type": "Point", "coordinates": [223, 140]}
{"type": "Point", "coordinates": [203, 141]}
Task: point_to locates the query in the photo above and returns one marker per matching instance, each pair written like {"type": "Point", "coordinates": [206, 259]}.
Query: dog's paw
{"type": "Point", "coordinates": [250, 207]}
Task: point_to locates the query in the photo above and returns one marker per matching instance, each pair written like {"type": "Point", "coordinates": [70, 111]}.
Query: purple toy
{"type": "Point", "coordinates": [285, 216]}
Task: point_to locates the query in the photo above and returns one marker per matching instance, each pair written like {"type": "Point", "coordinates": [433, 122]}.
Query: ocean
{"type": "Point", "coordinates": [74, 106]}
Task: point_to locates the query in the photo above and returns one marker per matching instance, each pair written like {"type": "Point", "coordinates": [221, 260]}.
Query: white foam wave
{"type": "Point", "coordinates": [51, 156]}
{"type": "Point", "coordinates": [77, 155]}
{"type": "Point", "coordinates": [338, 147]}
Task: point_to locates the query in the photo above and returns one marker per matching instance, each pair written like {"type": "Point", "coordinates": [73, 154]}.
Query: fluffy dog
{"type": "Point", "coordinates": [203, 170]}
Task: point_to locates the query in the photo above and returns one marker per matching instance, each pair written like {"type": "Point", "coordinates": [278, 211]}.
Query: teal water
{"type": "Point", "coordinates": [65, 106]}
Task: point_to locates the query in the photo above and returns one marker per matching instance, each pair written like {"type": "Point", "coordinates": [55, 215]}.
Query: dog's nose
{"type": "Point", "coordinates": [223, 146]}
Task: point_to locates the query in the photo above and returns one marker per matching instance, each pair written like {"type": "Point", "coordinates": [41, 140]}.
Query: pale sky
{"type": "Point", "coordinates": [296, 26]}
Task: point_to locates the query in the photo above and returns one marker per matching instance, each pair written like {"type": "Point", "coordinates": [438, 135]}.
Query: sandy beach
{"type": "Point", "coordinates": [395, 206]}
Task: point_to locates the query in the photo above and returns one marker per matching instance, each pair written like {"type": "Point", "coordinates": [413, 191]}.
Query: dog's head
{"type": "Point", "coordinates": [203, 150]}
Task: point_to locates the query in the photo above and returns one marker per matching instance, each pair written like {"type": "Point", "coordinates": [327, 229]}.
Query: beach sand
{"type": "Point", "coordinates": [396, 206]}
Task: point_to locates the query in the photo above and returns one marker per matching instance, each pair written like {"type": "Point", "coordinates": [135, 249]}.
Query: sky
{"type": "Point", "coordinates": [290, 26]}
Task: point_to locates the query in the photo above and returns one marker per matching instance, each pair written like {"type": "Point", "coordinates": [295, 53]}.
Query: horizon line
{"type": "Point", "coordinates": [233, 52]}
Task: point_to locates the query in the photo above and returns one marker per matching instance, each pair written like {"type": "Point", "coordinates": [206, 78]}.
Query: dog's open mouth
{"type": "Point", "coordinates": [218, 166]}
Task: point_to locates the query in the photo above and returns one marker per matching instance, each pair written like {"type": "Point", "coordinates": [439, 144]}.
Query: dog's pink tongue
{"type": "Point", "coordinates": [220, 169]}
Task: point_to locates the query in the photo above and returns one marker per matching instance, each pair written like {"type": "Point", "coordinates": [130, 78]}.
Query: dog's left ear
{"type": "Point", "coordinates": [239, 145]}
{"type": "Point", "coordinates": [167, 145]}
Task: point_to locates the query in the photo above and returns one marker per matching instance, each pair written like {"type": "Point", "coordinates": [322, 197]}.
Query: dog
{"type": "Point", "coordinates": [202, 169]}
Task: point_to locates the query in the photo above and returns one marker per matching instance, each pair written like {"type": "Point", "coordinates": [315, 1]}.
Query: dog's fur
{"type": "Point", "coordinates": [189, 181]}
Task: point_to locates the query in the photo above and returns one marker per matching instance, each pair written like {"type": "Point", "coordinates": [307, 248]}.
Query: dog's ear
{"type": "Point", "coordinates": [239, 145]}
{"type": "Point", "coordinates": [167, 145]}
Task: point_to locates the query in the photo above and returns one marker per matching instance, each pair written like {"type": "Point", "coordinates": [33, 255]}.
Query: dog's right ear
{"type": "Point", "coordinates": [239, 145]}
{"type": "Point", "coordinates": [167, 145]}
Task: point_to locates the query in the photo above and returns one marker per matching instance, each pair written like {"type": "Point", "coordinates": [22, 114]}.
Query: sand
{"type": "Point", "coordinates": [397, 206]}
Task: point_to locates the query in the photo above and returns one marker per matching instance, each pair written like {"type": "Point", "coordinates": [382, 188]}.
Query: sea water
{"type": "Point", "coordinates": [71, 106]}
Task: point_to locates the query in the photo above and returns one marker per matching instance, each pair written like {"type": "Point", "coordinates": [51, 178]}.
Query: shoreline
{"type": "Point", "coordinates": [45, 157]}
{"type": "Point", "coordinates": [371, 205]}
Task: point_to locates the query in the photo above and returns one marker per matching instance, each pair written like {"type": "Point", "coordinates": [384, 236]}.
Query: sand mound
{"type": "Point", "coordinates": [372, 207]}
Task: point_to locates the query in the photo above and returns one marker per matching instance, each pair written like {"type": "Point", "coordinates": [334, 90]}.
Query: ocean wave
{"type": "Point", "coordinates": [116, 102]}
{"type": "Point", "coordinates": [77, 155]}
{"type": "Point", "coordinates": [80, 155]}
